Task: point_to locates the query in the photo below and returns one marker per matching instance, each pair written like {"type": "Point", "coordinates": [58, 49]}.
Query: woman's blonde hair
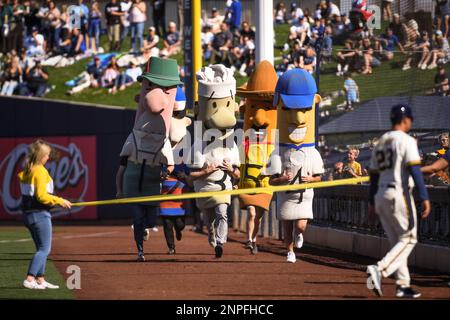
{"type": "Point", "coordinates": [36, 152]}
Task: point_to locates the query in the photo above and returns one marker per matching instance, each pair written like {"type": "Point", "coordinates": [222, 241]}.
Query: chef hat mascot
{"type": "Point", "coordinates": [146, 156]}
{"type": "Point", "coordinates": [216, 160]}
{"type": "Point", "coordinates": [260, 122]}
{"type": "Point", "coordinates": [172, 213]}
{"type": "Point", "coordinates": [297, 160]}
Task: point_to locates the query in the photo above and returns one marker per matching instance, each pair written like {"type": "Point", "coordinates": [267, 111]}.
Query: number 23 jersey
{"type": "Point", "coordinates": [395, 151]}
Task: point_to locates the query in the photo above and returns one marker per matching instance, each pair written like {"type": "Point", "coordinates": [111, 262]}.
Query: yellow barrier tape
{"type": "Point", "coordinates": [234, 192]}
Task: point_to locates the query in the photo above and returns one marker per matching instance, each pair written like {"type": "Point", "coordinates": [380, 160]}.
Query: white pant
{"type": "Point", "coordinates": [217, 222]}
{"type": "Point", "coordinates": [397, 214]}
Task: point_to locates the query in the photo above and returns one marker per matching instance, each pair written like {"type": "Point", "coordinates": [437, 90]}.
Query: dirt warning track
{"type": "Point", "coordinates": [107, 258]}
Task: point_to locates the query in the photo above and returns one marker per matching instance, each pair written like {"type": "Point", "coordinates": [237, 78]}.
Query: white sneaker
{"type": "Point", "coordinates": [375, 276]}
{"type": "Point", "coordinates": [432, 66]}
{"type": "Point", "coordinates": [33, 285]}
{"type": "Point", "coordinates": [48, 285]}
{"type": "Point", "coordinates": [146, 234]}
{"type": "Point", "coordinates": [299, 240]}
{"type": "Point", "coordinates": [424, 66]}
{"type": "Point", "coordinates": [406, 67]}
{"type": "Point", "coordinates": [291, 257]}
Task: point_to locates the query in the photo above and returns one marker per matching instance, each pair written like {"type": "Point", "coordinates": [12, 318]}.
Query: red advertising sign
{"type": "Point", "coordinates": [73, 174]}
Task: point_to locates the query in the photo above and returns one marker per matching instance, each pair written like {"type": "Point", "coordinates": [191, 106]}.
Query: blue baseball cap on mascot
{"type": "Point", "coordinates": [296, 88]}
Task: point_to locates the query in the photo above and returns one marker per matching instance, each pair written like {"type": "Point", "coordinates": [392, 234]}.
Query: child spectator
{"type": "Point", "coordinates": [351, 91]}
{"type": "Point", "coordinates": [352, 168]}
{"type": "Point", "coordinates": [441, 51]}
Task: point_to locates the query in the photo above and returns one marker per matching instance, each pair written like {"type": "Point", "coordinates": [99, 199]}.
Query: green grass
{"type": "Point", "coordinates": [14, 260]}
{"type": "Point", "coordinates": [387, 80]}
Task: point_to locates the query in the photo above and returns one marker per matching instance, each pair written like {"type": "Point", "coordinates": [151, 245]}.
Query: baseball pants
{"type": "Point", "coordinates": [397, 214]}
{"type": "Point", "coordinates": [217, 223]}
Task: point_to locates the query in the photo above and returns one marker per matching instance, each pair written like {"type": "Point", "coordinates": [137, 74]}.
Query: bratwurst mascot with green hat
{"type": "Point", "coordinates": [147, 156]}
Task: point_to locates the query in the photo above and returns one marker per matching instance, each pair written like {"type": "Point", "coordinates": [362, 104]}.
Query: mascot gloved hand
{"type": "Point", "coordinates": [215, 154]}
{"type": "Point", "coordinates": [296, 159]}
{"type": "Point", "coordinates": [147, 149]}
{"type": "Point", "coordinates": [260, 121]}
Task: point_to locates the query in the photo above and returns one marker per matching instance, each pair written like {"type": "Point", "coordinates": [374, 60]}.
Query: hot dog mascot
{"type": "Point", "coordinates": [297, 159]}
{"type": "Point", "coordinates": [260, 121]}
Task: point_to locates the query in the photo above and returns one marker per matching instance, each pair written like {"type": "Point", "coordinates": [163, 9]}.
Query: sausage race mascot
{"type": "Point", "coordinates": [260, 121]}
{"type": "Point", "coordinates": [146, 156]}
{"type": "Point", "coordinates": [296, 160]}
{"type": "Point", "coordinates": [215, 155]}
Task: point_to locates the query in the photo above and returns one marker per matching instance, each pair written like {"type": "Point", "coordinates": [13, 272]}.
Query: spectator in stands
{"type": "Point", "coordinates": [411, 31]}
{"type": "Point", "coordinates": [441, 84]}
{"type": "Point", "coordinates": [159, 16]}
{"type": "Point", "coordinates": [89, 78]}
{"type": "Point", "coordinates": [333, 10]}
{"type": "Point", "coordinates": [442, 14]}
{"type": "Point", "coordinates": [151, 42]}
{"type": "Point", "coordinates": [307, 60]}
{"type": "Point", "coordinates": [236, 12]}
{"type": "Point", "coordinates": [113, 12]}
{"type": "Point", "coordinates": [366, 51]}
{"type": "Point", "coordinates": [16, 26]}
{"type": "Point", "coordinates": [388, 41]}
{"type": "Point", "coordinates": [345, 58]}
{"type": "Point", "coordinates": [35, 44]}
{"type": "Point", "coordinates": [440, 52]}
{"type": "Point", "coordinates": [338, 171]}
{"type": "Point", "coordinates": [83, 10]}
{"type": "Point", "coordinates": [243, 56]}
{"type": "Point", "coordinates": [423, 46]}
{"type": "Point", "coordinates": [301, 31]}
{"type": "Point", "coordinates": [295, 13]}
{"type": "Point", "coordinates": [25, 62]}
{"type": "Point", "coordinates": [54, 17]}
{"type": "Point", "coordinates": [138, 16]}
{"type": "Point", "coordinates": [172, 41]}
{"type": "Point", "coordinates": [207, 40]}
{"type": "Point", "coordinates": [77, 43]}
{"type": "Point", "coordinates": [111, 73]}
{"type": "Point", "coordinates": [246, 31]}
{"type": "Point", "coordinates": [221, 45]}
{"type": "Point", "coordinates": [444, 142]}
{"type": "Point", "coordinates": [280, 13]}
{"type": "Point", "coordinates": [387, 10]}
{"type": "Point", "coordinates": [214, 21]}
{"type": "Point", "coordinates": [397, 28]}
{"type": "Point", "coordinates": [351, 91]}
{"type": "Point", "coordinates": [125, 6]}
{"type": "Point", "coordinates": [12, 78]}
{"type": "Point", "coordinates": [35, 83]}
{"type": "Point", "coordinates": [327, 45]}
{"type": "Point", "coordinates": [95, 26]}
{"type": "Point", "coordinates": [317, 30]}
{"type": "Point", "coordinates": [126, 78]}
{"type": "Point", "coordinates": [352, 168]}
{"type": "Point", "coordinates": [339, 29]}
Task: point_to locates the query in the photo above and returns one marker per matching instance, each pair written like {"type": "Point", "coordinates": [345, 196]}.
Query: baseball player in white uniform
{"type": "Point", "coordinates": [394, 169]}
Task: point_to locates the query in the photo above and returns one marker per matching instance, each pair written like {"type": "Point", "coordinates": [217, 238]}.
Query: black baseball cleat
{"type": "Point", "coordinates": [249, 244]}
{"type": "Point", "coordinates": [219, 251]}
{"type": "Point", "coordinates": [141, 257]}
{"type": "Point", "coordinates": [254, 249]}
{"type": "Point", "coordinates": [407, 292]}
{"type": "Point", "coordinates": [178, 234]}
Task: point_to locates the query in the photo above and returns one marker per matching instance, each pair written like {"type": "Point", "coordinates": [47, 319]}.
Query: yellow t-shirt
{"type": "Point", "coordinates": [36, 188]}
{"type": "Point", "coordinates": [356, 168]}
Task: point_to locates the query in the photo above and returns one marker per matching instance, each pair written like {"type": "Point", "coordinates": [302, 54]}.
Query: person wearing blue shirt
{"type": "Point", "coordinates": [388, 42]}
{"type": "Point", "coordinates": [236, 12]}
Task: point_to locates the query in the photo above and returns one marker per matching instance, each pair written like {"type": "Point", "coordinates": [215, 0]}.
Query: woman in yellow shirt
{"type": "Point", "coordinates": [36, 187]}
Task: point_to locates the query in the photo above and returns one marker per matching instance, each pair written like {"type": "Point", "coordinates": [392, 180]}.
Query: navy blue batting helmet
{"type": "Point", "coordinates": [400, 111]}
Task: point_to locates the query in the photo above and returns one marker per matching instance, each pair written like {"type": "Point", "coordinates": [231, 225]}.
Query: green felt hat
{"type": "Point", "coordinates": [162, 72]}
